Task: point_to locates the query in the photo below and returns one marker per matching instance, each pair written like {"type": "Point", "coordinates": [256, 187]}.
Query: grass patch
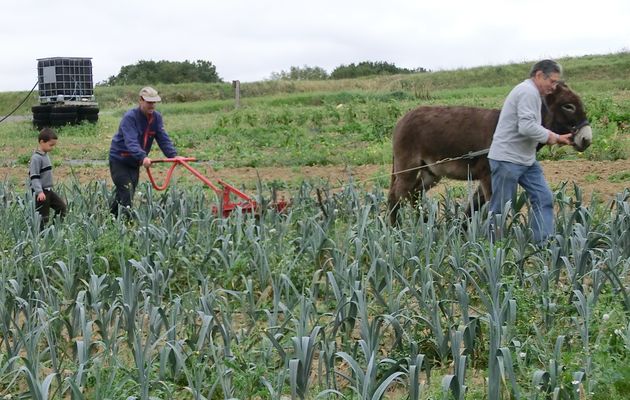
{"type": "Point", "coordinates": [622, 176]}
{"type": "Point", "coordinates": [592, 178]}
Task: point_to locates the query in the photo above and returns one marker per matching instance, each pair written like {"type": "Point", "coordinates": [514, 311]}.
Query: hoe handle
{"type": "Point", "coordinates": [176, 161]}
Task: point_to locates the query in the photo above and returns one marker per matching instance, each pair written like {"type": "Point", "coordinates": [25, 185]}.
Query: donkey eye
{"type": "Point", "coordinates": [568, 107]}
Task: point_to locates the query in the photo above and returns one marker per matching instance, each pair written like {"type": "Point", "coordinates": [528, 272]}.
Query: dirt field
{"type": "Point", "coordinates": [604, 178]}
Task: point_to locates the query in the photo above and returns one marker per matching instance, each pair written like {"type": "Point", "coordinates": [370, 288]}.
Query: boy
{"type": "Point", "coordinates": [41, 182]}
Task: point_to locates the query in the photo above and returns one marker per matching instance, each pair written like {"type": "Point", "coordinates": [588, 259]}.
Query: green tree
{"type": "Point", "coordinates": [367, 68]}
{"type": "Point", "coordinates": [145, 72]}
{"type": "Point", "coordinates": [304, 73]}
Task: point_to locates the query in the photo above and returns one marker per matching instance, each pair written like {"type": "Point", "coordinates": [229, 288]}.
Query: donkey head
{"type": "Point", "coordinates": [566, 113]}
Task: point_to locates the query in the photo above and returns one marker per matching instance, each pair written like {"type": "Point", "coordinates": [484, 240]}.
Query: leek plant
{"type": "Point", "coordinates": [345, 315]}
{"type": "Point", "coordinates": [428, 300]}
{"type": "Point", "coordinates": [300, 364]}
{"type": "Point", "coordinates": [414, 368]}
{"type": "Point", "coordinates": [584, 305]}
{"type": "Point", "coordinates": [365, 382]}
{"type": "Point", "coordinates": [549, 382]}
{"type": "Point", "coordinates": [456, 383]}
{"type": "Point", "coordinates": [500, 307]}
{"type": "Point", "coordinates": [468, 323]}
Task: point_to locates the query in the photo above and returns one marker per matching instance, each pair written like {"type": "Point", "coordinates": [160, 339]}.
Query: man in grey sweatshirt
{"type": "Point", "coordinates": [41, 177]}
{"type": "Point", "coordinates": [513, 149]}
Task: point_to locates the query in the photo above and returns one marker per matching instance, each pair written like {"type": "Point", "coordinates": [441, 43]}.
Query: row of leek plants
{"type": "Point", "coordinates": [327, 300]}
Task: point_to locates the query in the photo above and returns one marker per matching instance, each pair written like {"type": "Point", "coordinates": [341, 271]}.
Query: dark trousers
{"type": "Point", "coordinates": [125, 178]}
{"type": "Point", "coordinates": [52, 201]}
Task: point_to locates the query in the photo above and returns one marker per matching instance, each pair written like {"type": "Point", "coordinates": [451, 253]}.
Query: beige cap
{"type": "Point", "coordinates": [149, 94]}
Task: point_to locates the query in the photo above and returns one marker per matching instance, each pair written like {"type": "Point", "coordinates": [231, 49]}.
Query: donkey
{"type": "Point", "coordinates": [432, 134]}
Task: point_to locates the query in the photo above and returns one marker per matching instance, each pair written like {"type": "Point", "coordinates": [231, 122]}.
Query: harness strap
{"type": "Point", "coordinates": [467, 156]}
{"type": "Point", "coordinates": [580, 125]}
{"type": "Point", "coordinates": [473, 154]}
{"type": "Point", "coordinates": [146, 132]}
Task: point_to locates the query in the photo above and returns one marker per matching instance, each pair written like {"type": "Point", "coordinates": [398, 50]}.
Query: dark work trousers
{"type": "Point", "coordinates": [125, 178]}
{"type": "Point", "coordinates": [52, 201]}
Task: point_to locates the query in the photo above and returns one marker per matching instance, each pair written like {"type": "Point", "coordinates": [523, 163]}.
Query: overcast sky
{"type": "Point", "coordinates": [248, 40]}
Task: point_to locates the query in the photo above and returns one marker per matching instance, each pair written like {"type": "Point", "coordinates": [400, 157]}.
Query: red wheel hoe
{"type": "Point", "coordinates": [225, 193]}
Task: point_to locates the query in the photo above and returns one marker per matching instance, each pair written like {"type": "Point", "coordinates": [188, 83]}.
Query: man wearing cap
{"type": "Point", "coordinates": [131, 146]}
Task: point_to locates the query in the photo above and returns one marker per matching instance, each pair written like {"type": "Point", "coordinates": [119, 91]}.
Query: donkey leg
{"type": "Point", "coordinates": [481, 196]}
{"type": "Point", "coordinates": [486, 188]}
{"type": "Point", "coordinates": [476, 202]}
{"type": "Point", "coordinates": [425, 181]}
{"type": "Point", "coordinates": [402, 187]}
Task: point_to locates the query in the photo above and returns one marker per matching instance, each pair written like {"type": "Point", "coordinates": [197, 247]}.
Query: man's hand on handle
{"type": "Point", "coordinates": [560, 140]}
{"type": "Point", "coordinates": [147, 162]}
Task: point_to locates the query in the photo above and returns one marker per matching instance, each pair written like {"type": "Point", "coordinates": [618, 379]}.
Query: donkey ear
{"type": "Point", "coordinates": [560, 88]}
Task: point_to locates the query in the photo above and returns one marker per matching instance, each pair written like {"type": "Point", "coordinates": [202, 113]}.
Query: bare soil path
{"type": "Point", "coordinates": [603, 178]}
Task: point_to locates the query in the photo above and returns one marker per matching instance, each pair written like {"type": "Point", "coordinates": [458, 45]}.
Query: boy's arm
{"type": "Point", "coordinates": [34, 169]}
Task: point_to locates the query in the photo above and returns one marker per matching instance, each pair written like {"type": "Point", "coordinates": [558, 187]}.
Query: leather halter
{"type": "Point", "coordinates": [577, 127]}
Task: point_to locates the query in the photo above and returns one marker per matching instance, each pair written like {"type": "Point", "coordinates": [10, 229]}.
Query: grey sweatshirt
{"type": "Point", "coordinates": [520, 126]}
{"type": "Point", "coordinates": [40, 172]}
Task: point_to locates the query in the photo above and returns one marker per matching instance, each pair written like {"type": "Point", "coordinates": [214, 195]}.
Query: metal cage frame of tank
{"type": "Point", "coordinates": [65, 80]}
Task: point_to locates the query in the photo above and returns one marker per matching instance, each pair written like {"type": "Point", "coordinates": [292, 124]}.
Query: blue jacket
{"type": "Point", "coordinates": [132, 143]}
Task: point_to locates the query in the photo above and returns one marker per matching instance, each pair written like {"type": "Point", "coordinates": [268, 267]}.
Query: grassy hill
{"type": "Point", "coordinates": [297, 123]}
{"type": "Point", "coordinates": [601, 71]}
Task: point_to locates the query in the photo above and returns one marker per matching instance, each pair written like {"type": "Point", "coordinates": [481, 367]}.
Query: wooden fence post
{"type": "Point", "coordinates": [237, 93]}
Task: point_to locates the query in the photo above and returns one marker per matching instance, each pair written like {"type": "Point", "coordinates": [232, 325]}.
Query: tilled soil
{"type": "Point", "coordinates": [602, 178]}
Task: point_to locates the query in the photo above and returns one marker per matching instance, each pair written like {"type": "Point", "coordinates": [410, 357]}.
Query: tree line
{"type": "Point", "coordinates": [205, 72]}
{"type": "Point", "coordinates": [365, 68]}
{"type": "Point", "coordinates": [165, 72]}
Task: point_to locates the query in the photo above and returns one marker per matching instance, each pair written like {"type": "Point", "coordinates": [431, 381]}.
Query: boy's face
{"type": "Point", "coordinates": [47, 146]}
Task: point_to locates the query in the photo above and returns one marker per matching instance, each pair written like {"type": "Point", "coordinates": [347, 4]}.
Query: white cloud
{"type": "Point", "coordinates": [248, 40]}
